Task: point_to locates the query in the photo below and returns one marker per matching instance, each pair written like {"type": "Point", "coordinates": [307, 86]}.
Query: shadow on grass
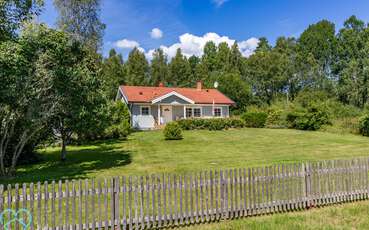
{"type": "Point", "coordinates": [81, 160]}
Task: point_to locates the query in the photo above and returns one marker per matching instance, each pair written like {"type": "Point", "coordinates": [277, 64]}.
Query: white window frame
{"type": "Point", "coordinates": [221, 111]}
{"type": "Point", "coordinates": [190, 109]}
{"type": "Point", "coordinates": [193, 111]}
{"type": "Point", "coordinates": [145, 106]}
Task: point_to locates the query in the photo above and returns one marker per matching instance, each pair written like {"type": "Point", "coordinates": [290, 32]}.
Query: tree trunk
{"type": "Point", "coordinates": [64, 148]}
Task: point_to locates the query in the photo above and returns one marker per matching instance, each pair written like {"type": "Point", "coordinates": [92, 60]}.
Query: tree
{"type": "Point", "coordinates": [180, 71]}
{"type": "Point", "coordinates": [354, 83]}
{"type": "Point", "coordinates": [319, 40]}
{"type": "Point", "coordinates": [71, 73]}
{"type": "Point", "coordinates": [266, 70]}
{"type": "Point", "coordinates": [209, 58]}
{"type": "Point", "coordinates": [113, 74]}
{"type": "Point", "coordinates": [26, 99]}
{"type": "Point", "coordinates": [15, 12]}
{"type": "Point", "coordinates": [352, 65]}
{"type": "Point", "coordinates": [194, 62]}
{"type": "Point", "coordinates": [223, 57]}
{"type": "Point", "coordinates": [82, 20]}
{"type": "Point", "coordinates": [232, 85]}
{"type": "Point", "coordinates": [263, 45]}
{"type": "Point", "coordinates": [159, 68]}
{"type": "Point", "coordinates": [235, 59]}
{"type": "Point", "coordinates": [137, 68]}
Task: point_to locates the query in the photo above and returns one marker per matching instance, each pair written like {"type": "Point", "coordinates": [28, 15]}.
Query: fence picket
{"type": "Point", "coordinates": [135, 187]}
{"type": "Point", "coordinates": [164, 188]}
{"type": "Point", "coordinates": [191, 200]}
{"type": "Point", "coordinates": [124, 202]}
{"type": "Point", "coordinates": [142, 211]}
{"type": "Point", "coordinates": [99, 192]}
{"type": "Point", "coordinates": [106, 207]}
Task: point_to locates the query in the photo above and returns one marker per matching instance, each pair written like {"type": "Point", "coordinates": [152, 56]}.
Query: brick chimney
{"type": "Point", "coordinates": [161, 84]}
{"type": "Point", "coordinates": [199, 85]}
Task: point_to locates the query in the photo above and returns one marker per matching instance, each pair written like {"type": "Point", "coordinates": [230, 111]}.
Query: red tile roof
{"type": "Point", "coordinates": [147, 94]}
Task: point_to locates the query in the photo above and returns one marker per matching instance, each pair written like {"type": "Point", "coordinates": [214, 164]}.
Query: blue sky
{"type": "Point", "coordinates": [129, 22]}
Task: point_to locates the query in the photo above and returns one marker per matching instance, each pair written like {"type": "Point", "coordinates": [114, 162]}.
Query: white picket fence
{"type": "Point", "coordinates": [166, 200]}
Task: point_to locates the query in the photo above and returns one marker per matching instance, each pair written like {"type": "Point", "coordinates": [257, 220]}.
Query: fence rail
{"type": "Point", "coordinates": [166, 200]}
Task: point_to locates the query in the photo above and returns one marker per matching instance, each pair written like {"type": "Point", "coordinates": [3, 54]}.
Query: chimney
{"type": "Point", "coordinates": [199, 85]}
{"type": "Point", "coordinates": [161, 84]}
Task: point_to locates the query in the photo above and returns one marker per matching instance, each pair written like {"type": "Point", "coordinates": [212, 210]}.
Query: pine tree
{"type": "Point", "coordinates": [180, 70]}
{"type": "Point", "coordinates": [223, 55]}
{"type": "Point", "coordinates": [112, 74]}
{"type": "Point", "coordinates": [159, 68]}
{"type": "Point", "coordinates": [137, 68]}
{"type": "Point", "coordinates": [235, 59]}
{"type": "Point", "coordinates": [209, 58]}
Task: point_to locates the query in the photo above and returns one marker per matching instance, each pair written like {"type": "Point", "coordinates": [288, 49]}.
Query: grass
{"type": "Point", "coordinates": [148, 152]}
{"type": "Point", "coordinates": [346, 216]}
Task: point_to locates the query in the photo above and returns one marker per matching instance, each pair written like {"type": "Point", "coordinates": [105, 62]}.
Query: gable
{"type": "Point", "coordinates": [173, 99]}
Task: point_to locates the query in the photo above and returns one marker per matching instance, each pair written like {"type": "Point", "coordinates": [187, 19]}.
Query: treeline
{"type": "Point", "coordinates": [321, 59]}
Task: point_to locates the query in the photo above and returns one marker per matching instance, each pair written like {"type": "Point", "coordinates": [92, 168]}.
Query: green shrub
{"type": "Point", "coordinates": [236, 123]}
{"type": "Point", "coordinates": [275, 119]}
{"type": "Point", "coordinates": [211, 124]}
{"type": "Point", "coordinates": [343, 125]}
{"type": "Point", "coordinates": [119, 120]}
{"type": "Point", "coordinates": [254, 119]}
{"type": "Point", "coordinates": [364, 125]}
{"type": "Point", "coordinates": [173, 131]}
{"type": "Point", "coordinates": [313, 119]}
{"type": "Point", "coordinates": [121, 130]}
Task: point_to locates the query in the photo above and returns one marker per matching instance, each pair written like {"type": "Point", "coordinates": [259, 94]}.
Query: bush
{"type": "Point", "coordinates": [255, 119]}
{"type": "Point", "coordinates": [173, 131]}
{"type": "Point", "coordinates": [119, 121]}
{"type": "Point", "coordinates": [364, 125]}
{"type": "Point", "coordinates": [121, 130]}
{"type": "Point", "coordinates": [275, 119]}
{"type": "Point", "coordinates": [211, 124]}
{"type": "Point", "coordinates": [313, 119]}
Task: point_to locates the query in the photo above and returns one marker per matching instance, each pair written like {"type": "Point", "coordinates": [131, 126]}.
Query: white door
{"type": "Point", "coordinates": [167, 113]}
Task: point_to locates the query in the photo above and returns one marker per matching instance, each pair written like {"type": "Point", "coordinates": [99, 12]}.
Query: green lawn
{"type": "Point", "coordinates": [346, 216]}
{"type": "Point", "coordinates": [148, 152]}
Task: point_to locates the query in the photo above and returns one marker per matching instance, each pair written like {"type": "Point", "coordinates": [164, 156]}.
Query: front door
{"type": "Point", "coordinates": [167, 113]}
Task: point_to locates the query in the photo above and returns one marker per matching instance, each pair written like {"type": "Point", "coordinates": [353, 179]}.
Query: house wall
{"type": "Point", "coordinates": [207, 110]}
{"type": "Point", "coordinates": [148, 122]}
{"type": "Point", "coordinates": [143, 122]}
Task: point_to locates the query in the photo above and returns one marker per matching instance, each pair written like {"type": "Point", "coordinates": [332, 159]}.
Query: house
{"type": "Point", "coordinates": [155, 106]}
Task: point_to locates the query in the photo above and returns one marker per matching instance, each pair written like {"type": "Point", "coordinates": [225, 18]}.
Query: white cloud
{"type": "Point", "coordinates": [219, 3]}
{"type": "Point", "coordinates": [126, 44]}
{"type": "Point", "coordinates": [194, 45]}
{"type": "Point", "coordinates": [156, 33]}
{"type": "Point", "coordinates": [247, 47]}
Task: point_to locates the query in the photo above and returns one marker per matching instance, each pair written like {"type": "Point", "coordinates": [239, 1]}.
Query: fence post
{"type": "Point", "coordinates": [307, 169]}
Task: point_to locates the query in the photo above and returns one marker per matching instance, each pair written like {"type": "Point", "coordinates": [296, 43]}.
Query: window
{"type": "Point", "coordinates": [217, 112]}
{"type": "Point", "coordinates": [145, 110]}
{"type": "Point", "coordinates": [188, 112]}
{"type": "Point", "coordinates": [197, 112]}
{"type": "Point", "coordinates": [193, 112]}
